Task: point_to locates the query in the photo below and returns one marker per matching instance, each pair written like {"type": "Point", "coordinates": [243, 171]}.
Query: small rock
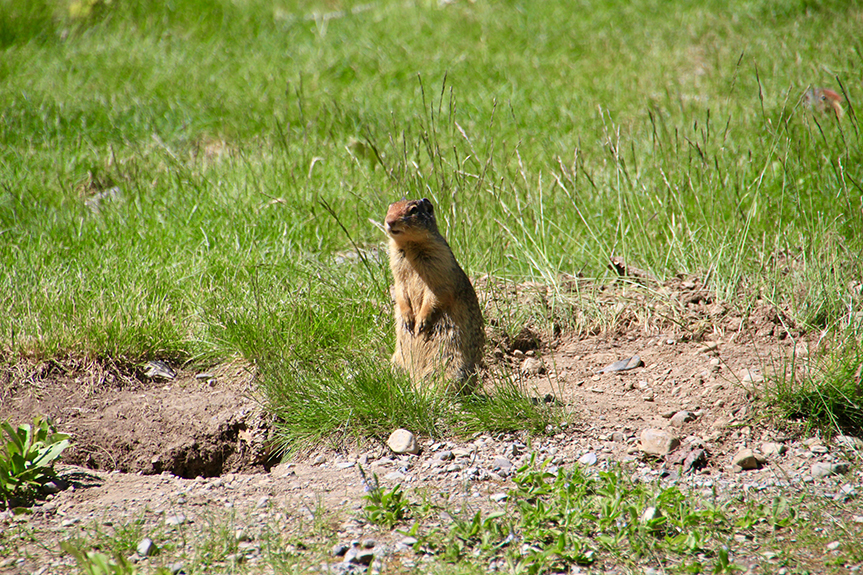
{"type": "Point", "coordinates": [658, 442]}
{"type": "Point", "coordinates": [710, 346]}
{"type": "Point", "coordinates": [681, 417]}
{"type": "Point", "coordinates": [588, 459]}
{"type": "Point", "coordinates": [405, 544]}
{"type": "Point", "coordinates": [696, 459]}
{"type": "Point", "coordinates": [849, 442]}
{"type": "Point", "coordinates": [262, 502]}
{"type": "Point", "coordinates": [146, 547]}
{"type": "Point", "coordinates": [618, 437]}
{"type": "Point", "coordinates": [339, 549]}
{"type": "Point", "coordinates": [750, 376]}
{"type": "Point", "coordinates": [175, 568]}
{"type": "Point", "coordinates": [770, 448]}
{"type": "Point", "coordinates": [532, 366]}
{"type": "Point", "coordinates": [446, 455]}
{"type": "Point", "coordinates": [821, 470]}
{"type": "Point", "coordinates": [157, 368]}
{"type": "Point", "coordinates": [649, 514]}
{"type": "Point", "coordinates": [623, 365]}
{"type": "Point", "coordinates": [175, 520]}
{"type": "Point", "coordinates": [369, 543]}
{"type": "Point", "coordinates": [50, 487]}
{"type": "Point", "coordinates": [403, 441]}
{"type": "Point", "coordinates": [499, 497]}
{"type": "Point", "coordinates": [833, 546]}
{"type": "Point", "coordinates": [745, 459]}
{"type": "Point", "coordinates": [319, 460]}
{"type": "Point", "coordinates": [359, 556]}
{"type": "Point", "coordinates": [502, 465]}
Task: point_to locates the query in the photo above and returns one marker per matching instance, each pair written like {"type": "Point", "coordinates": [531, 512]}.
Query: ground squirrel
{"type": "Point", "coordinates": [439, 326]}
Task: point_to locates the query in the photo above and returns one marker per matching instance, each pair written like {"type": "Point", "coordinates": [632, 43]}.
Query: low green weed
{"type": "Point", "coordinates": [556, 519]}
{"type": "Point", "coordinates": [27, 460]}
{"type": "Point", "coordinates": [385, 507]}
{"type": "Point", "coordinates": [95, 563]}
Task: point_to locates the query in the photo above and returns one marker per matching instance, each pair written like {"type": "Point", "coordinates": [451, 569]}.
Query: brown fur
{"type": "Point", "coordinates": [439, 325]}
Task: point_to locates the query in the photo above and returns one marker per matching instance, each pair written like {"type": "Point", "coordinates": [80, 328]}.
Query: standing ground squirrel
{"type": "Point", "coordinates": [439, 326]}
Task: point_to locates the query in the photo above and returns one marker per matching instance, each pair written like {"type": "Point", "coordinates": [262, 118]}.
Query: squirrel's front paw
{"type": "Point", "coordinates": [424, 325]}
{"type": "Point", "coordinates": [409, 325]}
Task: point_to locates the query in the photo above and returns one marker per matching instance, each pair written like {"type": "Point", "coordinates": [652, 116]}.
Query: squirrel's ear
{"type": "Point", "coordinates": [428, 205]}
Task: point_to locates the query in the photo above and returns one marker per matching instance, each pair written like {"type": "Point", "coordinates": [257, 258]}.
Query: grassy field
{"type": "Point", "coordinates": [165, 167]}
{"type": "Point", "coordinates": [190, 180]}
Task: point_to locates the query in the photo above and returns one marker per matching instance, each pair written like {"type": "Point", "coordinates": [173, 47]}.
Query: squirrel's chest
{"type": "Point", "coordinates": [410, 280]}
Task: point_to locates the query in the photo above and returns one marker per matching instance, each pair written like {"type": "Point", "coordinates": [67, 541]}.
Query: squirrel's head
{"type": "Point", "coordinates": [410, 220]}
{"type": "Point", "coordinates": [823, 100]}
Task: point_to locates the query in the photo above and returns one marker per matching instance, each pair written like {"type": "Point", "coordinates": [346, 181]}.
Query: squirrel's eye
{"type": "Point", "coordinates": [412, 210]}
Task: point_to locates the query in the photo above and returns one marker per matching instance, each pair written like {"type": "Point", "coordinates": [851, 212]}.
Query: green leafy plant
{"type": "Point", "coordinates": [385, 507]}
{"type": "Point", "coordinates": [95, 563]}
{"type": "Point", "coordinates": [28, 456]}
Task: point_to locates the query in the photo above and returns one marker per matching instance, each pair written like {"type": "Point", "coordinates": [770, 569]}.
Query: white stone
{"type": "Point", "coordinates": [849, 442]}
{"type": "Point", "coordinates": [531, 366]}
{"type": "Point", "coordinates": [658, 442]}
{"type": "Point", "coordinates": [770, 448]}
{"type": "Point", "coordinates": [146, 547]}
{"type": "Point", "coordinates": [174, 520]}
{"type": "Point", "coordinates": [681, 417]}
{"type": "Point", "coordinates": [403, 441]}
{"type": "Point", "coordinates": [750, 376]}
{"type": "Point", "coordinates": [588, 459]}
{"type": "Point", "coordinates": [745, 459]}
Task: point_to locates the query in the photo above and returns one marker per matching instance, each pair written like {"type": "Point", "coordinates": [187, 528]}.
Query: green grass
{"type": "Point", "coordinates": [824, 392]}
{"type": "Point", "coordinates": [216, 138]}
{"type": "Point", "coordinates": [550, 138]}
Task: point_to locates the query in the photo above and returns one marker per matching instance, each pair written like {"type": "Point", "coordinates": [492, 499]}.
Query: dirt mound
{"type": "Point", "coordinates": [191, 425]}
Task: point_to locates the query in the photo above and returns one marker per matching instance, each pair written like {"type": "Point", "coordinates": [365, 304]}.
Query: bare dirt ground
{"type": "Point", "coordinates": [176, 457]}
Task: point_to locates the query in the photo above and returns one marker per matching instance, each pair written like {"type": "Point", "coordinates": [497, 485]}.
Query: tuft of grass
{"type": "Point", "coordinates": [826, 393]}
{"type": "Point", "coordinates": [338, 400]}
{"type": "Point", "coordinates": [508, 407]}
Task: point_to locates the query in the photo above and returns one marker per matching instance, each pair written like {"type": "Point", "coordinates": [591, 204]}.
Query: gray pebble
{"type": "Point", "coordinates": [588, 459]}
{"type": "Point", "coordinates": [339, 550]}
{"type": "Point", "coordinates": [146, 547]}
{"type": "Point", "coordinates": [502, 465]}
{"type": "Point", "coordinates": [175, 520]}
